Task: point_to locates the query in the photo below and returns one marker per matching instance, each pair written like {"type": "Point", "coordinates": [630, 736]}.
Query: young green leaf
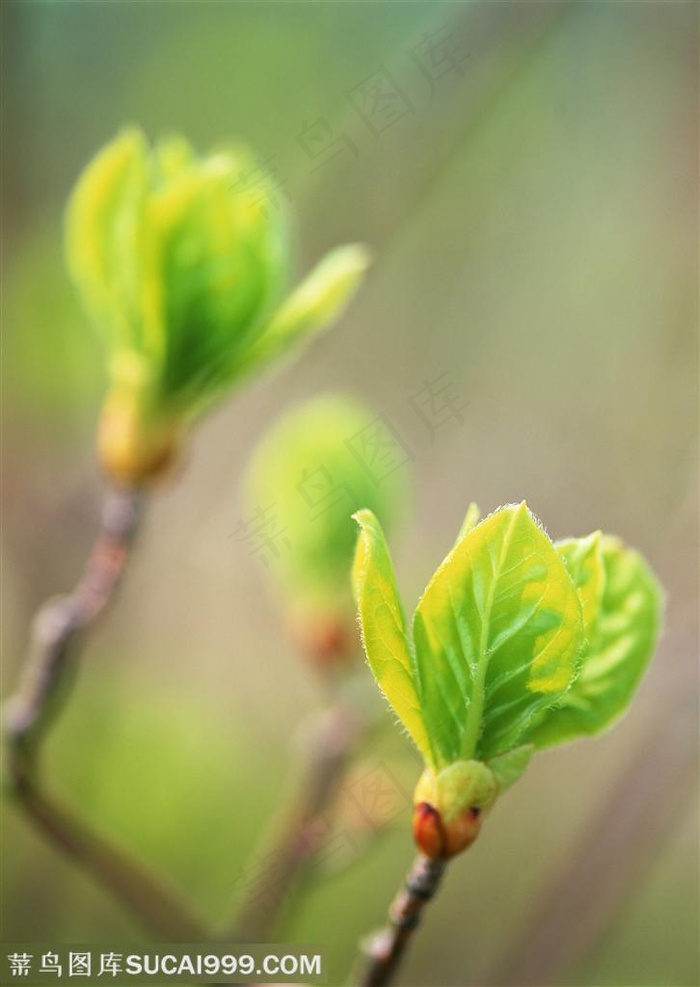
{"type": "Point", "coordinates": [621, 642]}
{"type": "Point", "coordinates": [182, 264]}
{"type": "Point", "coordinates": [583, 560]}
{"type": "Point", "coordinates": [505, 626]}
{"type": "Point", "coordinates": [471, 519]}
{"type": "Point", "coordinates": [508, 767]}
{"type": "Point", "coordinates": [497, 634]}
{"type": "Point", "coordinates": [104, 236]}
{"type": "Point", "coordinates": [384, 636]}
{"type": "Point", "coordinates": [317, 302]}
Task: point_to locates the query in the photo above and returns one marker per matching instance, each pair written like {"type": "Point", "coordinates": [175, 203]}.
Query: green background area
{"type": "Point", "coordinates": [526, 175]}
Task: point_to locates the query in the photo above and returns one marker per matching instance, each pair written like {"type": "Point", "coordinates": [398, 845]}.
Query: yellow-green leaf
{"type": "Point", "coordinates": [104, 236]}
{"type": "Point", "coordinates": [621, 642]}
{"type": "Point", "coordinates": [383, 627]}
{"type": "Point", "coordinates": [508, 767]}
{"type": "Point", "coordinates": [583, 560]}
{"type": "Point", "coordinates": [316, 303]}
{"type": "Point", "coordinates": [471, 519]}
{"type": "Point", "coordinates": [182, 262]}
{"type": "Point", "coordinates": [497, 637]}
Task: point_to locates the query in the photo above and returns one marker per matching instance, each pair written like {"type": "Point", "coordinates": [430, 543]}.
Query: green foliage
{"type": "Point", "coordinates": [508, 767]}
{"type": "Point", "coordinates": [181, 262]}
{"type": "Point", "coordinates": [307, 476]}
{"type": "Point", "coordinates": [497, 634]}
{"type": "Point", "coordinates": [517, 643]}
{"type": "Point", "coordinates": [583, 563]}
{"type": "Point", "coordinates": [622, 633]}
{"type": "Point", "coordinates": [384, 633]}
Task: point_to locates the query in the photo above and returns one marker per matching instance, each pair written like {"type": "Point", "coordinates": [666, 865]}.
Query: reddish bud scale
{"type": "Point", "coordinates": [438, 839]}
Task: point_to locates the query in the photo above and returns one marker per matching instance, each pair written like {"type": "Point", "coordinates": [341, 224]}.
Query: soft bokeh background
{"type": "Point", "coordinates": [529, 185]}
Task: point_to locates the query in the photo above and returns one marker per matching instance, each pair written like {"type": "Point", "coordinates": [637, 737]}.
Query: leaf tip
{"type": "Point", "coordinates": [364, 518]}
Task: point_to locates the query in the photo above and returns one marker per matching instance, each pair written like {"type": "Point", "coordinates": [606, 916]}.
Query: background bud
{"type": "Point", "coordinates": [307, 471]}
{"type": "Point", "coordinates": [181, 262]}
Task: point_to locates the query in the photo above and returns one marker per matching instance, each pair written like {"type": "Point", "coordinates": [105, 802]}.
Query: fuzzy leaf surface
{"type": "Point", "coordinates": [383, 626]}
{"type": "Point", "coordinates": [621, 642]}
{"type": "Point", "coordinates": [584, 562]}
{"type": "Point", "coordinates": [497, 636]}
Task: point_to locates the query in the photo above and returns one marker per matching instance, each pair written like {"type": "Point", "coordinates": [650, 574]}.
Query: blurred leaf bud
{"type": "Point", "coordinates": [181, 262]}
{"type": "Point", "coordinates": [308, 475]}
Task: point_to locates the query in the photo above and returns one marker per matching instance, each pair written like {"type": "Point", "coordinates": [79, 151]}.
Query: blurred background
{"type": "Point", "coordinates": [526, 174]}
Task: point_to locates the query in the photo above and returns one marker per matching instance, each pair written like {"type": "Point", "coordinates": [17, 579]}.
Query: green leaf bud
{"type": "Point", "coordinates": [516, 644]}
{"type": "Point", "coordinates": [307, 474]}
{"type": "Point", "coordinates": [449, 807]}
{"type": "Point", "coordinates": [181, 263]}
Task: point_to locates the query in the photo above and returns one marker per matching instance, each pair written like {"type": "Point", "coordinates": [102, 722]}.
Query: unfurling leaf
{"type": "Point", "coordinates": [383, 625]}
{"type": "Point", "coordinates": [497, 634]}
{"type": "Point", "coordinates": [622, 635]}
{"type": "Point", "coordinates": [318, 301]}
{"type": "Point", "coordinates": [508, 767]}
{"type": "Point", "coordinates": [307, 480]}
{"type": "Point", "coordinates": [584, 564]}
{"type": "Point", "coordinates": [516, 644]}
{"type": "Point", "coordinates": [471, 519]}
{"type": "Point", "coordinates": [182, 262]}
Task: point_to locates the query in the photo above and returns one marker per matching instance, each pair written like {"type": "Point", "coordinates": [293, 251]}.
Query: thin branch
{"type": "Point", "coordinates": [285, 862]}
{"type": "Point", "coordinates": [60, 622]}
{"type": "Point", "coordinates": [53, 654]}
{"type": "Point", "coordinates": [136, 887]}
{"type": "Point", "coordinates": [387, 947]}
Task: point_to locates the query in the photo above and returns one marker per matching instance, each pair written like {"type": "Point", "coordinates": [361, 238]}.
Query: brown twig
{"type": "Point", "coordinates": [134, 886]}
{"type": "Point", "coordinates": [53, 653]}
{"type": "Point", "coordinates": [284, 864]}
{"type": "Point", "coordinates": [387, 947]}
{"type": "Point", "coordinates": [58, 625]}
